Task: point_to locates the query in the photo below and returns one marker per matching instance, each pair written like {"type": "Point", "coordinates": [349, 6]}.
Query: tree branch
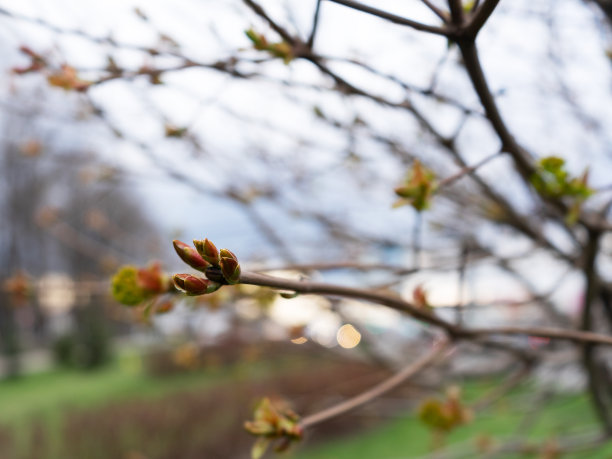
{"type": "Point", "coordinates": [399, 304]}
{"type": "Point", "coordinates": [320, 288]}
{"type": "Point", "coordinates": [481, 16]}
{"type": "Point", "coordinates": [392, 17]}
{"type": "Point", "coordinates": [437, 11]}
{"type": "Point", "coordinates": [257, 9]}
{"type": "Point", "coordinates": [380, 389]}
{"type": "Point", "coordinates": [315, 24]}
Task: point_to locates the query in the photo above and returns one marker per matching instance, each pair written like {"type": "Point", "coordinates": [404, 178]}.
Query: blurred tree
{"type": "Point", "coordinates": [62, 210]}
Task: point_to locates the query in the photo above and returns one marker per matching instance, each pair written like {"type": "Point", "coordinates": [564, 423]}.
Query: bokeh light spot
{"type": "Point", "coordinates": [348, 337]}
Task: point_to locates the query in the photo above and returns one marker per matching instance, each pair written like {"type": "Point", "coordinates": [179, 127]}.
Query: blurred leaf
{"type": "Point", "coordinates": [67, 78]}
{"type": "Point", "coordinates": [417, 189]}
{"type": "Point", "coordinates": [260, 447]}
{"type": "Point", "coordinates": [281, 49]}
{"type": "Point", "coordinates": [552, 180]}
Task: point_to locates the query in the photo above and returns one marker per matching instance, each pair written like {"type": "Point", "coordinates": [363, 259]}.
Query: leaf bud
{"type": "Point", "coordinates": [190, 255]}
{"type": "Point", "coordinates": [208, 251]}
{"type": "Point", "coordinates": [194, 285]}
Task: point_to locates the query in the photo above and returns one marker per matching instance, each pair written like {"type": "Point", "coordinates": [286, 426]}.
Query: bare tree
{"type": "Point", "coordinates": [498, 196]}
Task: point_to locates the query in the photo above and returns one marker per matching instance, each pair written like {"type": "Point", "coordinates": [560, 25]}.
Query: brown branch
{"type": "Point", "coordinates": [456, 10]}
{"type": "Point", "coordinates": [399, 304]}
{"type": "Point", "coordinates": [509, 144]}
{"type": "Point", "coordinates": [480, 17]}
{"type": "Point", "coordinates": [592, 366]}
{"type": "Point", "coordinates": [320, 288]}
{"type": "Point", "coordinates": [467, 170]}
{"type": "Point", "coordinates": [437, 11]}
{"type": "Point", "coordinates": [315, 25]}
{"type": "Point", "coordinates": [329, 266]}
{"type": "Point", "coordinates": [393, 18]}
{"type": "Point", "coordinates": [378, 390]}
{"type": "Point", "coordinates": [542, 332]}
{"type": "Point", "coordinates": [257, 9]}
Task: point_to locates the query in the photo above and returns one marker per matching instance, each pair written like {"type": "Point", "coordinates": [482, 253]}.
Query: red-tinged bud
{"type": "Point", "coordinates": [208, 250]}
{"type": "Point", "coordinates": [152, 279]}
{"type": "Point", "coordinates": [420, 298]}
{"type": "Point", "coordinates": [193, 285]}
{"type": "Point", "coordinates": [190, 255]}
{"type": "Point", "coordinates": [231, 270]}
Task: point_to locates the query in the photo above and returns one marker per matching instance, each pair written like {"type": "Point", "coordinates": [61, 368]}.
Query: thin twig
{"type": "Point", "coordinates": [392, 17]}
{"type": "Point", "coordinates": [257, 9]}
{"type": "Point", "coordinates": [437, 11]}
{"type": "Point", "coordinates": [315, 25]}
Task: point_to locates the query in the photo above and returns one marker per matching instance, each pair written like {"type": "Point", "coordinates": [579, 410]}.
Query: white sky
{"type": "Point", "coordinates": [513, 47]}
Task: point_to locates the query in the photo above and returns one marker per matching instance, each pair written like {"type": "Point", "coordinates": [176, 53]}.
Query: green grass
{"type": "Point", "coordinates": [407, 438]}
{"type": "Point", "coordinates": [43, 400]}
{"type": "Point", "coordinates": [47, 396]}
{"type": "Point", "coordinates": [53, 392]}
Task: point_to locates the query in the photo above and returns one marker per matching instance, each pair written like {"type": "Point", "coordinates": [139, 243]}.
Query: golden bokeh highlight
{"type": "Point", "coordinates": [348, 337]}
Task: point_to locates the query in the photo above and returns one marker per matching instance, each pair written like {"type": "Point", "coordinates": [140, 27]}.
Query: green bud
{"type": "Point", "coordinates": [126, 288]}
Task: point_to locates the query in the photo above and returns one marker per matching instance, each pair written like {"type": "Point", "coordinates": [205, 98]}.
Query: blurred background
{"type": "Point", "coordinates": [126, 124]}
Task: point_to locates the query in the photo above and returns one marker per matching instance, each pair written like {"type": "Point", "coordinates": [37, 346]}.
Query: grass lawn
{"type": "Point", "coordinates": [47, 396]}
{"type": "Point", "coordinates": [407, 438]}
{"type": "Point", "coordinates": [43, 400]}
{"type": "Point", "coordinates": [50, 392]}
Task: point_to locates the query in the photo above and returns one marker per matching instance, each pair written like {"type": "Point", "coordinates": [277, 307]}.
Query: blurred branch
{"type": "Point", "coordinates": [437, 11]}
{"type": "Point", "coordinates": [397, 303]}
{"type": "Point", "coordinates": [394, 381]}
{"type": "Point", "coordinates": [480, 17]}
{"type": "Point", "coordinates": [315, 24]}
{"type": "Point", "coordinates": [392, 17]}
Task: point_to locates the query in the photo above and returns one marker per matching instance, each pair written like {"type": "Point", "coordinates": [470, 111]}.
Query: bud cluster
{"type": "Point", "coordinates": [220, 267]}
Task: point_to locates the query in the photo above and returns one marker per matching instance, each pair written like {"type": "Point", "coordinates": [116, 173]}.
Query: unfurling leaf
{"type": "Point", "coordinates": [417, 189]}
{"type": "Point", "coordinates": [67, 78]}
{"type": "Point", "coordinates": [445, 415]}
{"type": "Point", "coordinates": [273, 421]}
{"type": "Point", "coordinates": [551, 180]}
{"type": "Point", "coordinates": [260, 447]}
{"type": "Point", "coordinates": [281, 49]}
{"type": "Point", "coordinates": [125, 287]}
{"type": "Point", "coordinates": [131, 285]}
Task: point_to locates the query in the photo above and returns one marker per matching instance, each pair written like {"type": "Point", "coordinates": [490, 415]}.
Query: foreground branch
{"type": "Point", "coordinates": [392, 17]}
{"type": "Point", "coordinates": [385, 386]}
{"type": "Point", "coordinates": [399, 304]}
{"type": "Point", "coordinates": [320, 288]}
